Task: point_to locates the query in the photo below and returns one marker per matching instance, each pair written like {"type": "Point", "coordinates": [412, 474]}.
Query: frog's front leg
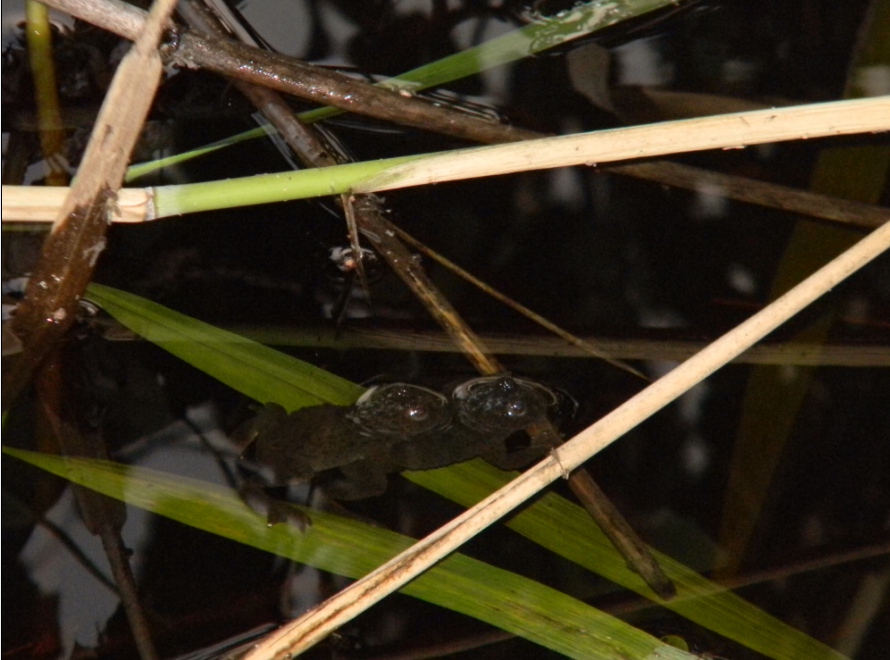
{"type": "Point", "coordinates": [253, 493]}
{"type": "Point", "coordinates": [286, 449]}
{"type": "Point", "coordinates": [500, 411]}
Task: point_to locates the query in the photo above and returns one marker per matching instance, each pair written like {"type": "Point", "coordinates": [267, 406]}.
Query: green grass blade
{"type": "Point", "coordinates": [545, 33]}
{"type": "Point", "coordinates": [351, 548]}
{"type": "Point", "coordinates": [141, 169]}
{"type": "Point", "coordinates": [536, 37]}
{"type": "Point", "coordinates": [566, 529]}
{"type": "Point", "coordinates": [258, 371]}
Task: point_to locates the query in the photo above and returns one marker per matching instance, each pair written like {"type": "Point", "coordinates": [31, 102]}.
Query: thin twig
{"type": "Point", "coordinates": [584, 346]}
{"type": "Point", "coordinates": [347, 202]}
{"type": "Point", "coordinates": [74, 549]}
{"type": "Point", "coordinates": [102, 516]}
{"type": "Point", "coordinates": [637, 603]}
{"type": "Point", "coordinates": [372, 224]}
{"type": "Point", "coordinates": [761, 193]}
{"type": "Point", "coordinates": [658, 348]}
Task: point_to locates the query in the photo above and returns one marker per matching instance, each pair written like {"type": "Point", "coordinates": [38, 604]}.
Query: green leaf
{"type": "Point", "coordinates": [258, 371]}
{"type": "Point", "coordinates": [566, 529]}
{"type": "Point", "coordinates": [351, 548]}
{"type": "Point", "coordinates": [141, 169]}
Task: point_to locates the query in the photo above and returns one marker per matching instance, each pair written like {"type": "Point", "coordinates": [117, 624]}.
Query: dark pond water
{"type": "Point", "coordinates": [596, 252]}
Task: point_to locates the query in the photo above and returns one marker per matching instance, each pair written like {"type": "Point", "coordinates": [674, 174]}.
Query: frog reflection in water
{"type": "Point", "coordinates": [396, 427]}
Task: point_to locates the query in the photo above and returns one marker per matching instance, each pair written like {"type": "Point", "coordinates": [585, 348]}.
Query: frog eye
{"type": "Point", "coordinates": [400, 409]}
{"type": "Point", "coordinates": [416, 413]}
{"type": "Point", "coordinates": [516, 408]}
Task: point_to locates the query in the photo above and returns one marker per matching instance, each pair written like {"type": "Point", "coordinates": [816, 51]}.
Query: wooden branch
{"type": "Point", "coordinates": [292, 76]}
{"type": "Point", "coordinates": [761, 193]}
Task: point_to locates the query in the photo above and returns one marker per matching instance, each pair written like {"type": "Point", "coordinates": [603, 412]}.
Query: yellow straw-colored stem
{"type": "Point", "coordinates": [49, 115]}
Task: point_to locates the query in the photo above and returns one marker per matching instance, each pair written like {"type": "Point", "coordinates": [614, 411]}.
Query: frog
{"type": "Point", "coordinates": [348, 446]}
{"type": "Point", "coordinates": [350, 450]}
{"type": "Point", "coordinates": [487, 412]}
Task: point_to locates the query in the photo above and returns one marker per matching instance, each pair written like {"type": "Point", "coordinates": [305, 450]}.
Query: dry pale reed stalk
{"type": "Point", "coordinates": [732, 131]}
{"type": "Point", "coordinates": [720, 132]}
{"type": "Point", "coordinates": [40, 204]}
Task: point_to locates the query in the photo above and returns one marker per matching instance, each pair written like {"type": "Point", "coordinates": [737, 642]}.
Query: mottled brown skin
{"type": "Point", "coordinates": [393, 428]}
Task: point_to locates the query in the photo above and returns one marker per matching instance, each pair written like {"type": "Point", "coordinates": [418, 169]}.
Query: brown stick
{"type": "Point", "coordinates": [620, 533]}
{"type": "Point", "coordinates": [78, 235]}
{"type": "Point", "coordinates": [814, 205]}
{"type": "Point", "coordinates": [102, 516]}
{"type": "Point", "coordinates": [664, 345]}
